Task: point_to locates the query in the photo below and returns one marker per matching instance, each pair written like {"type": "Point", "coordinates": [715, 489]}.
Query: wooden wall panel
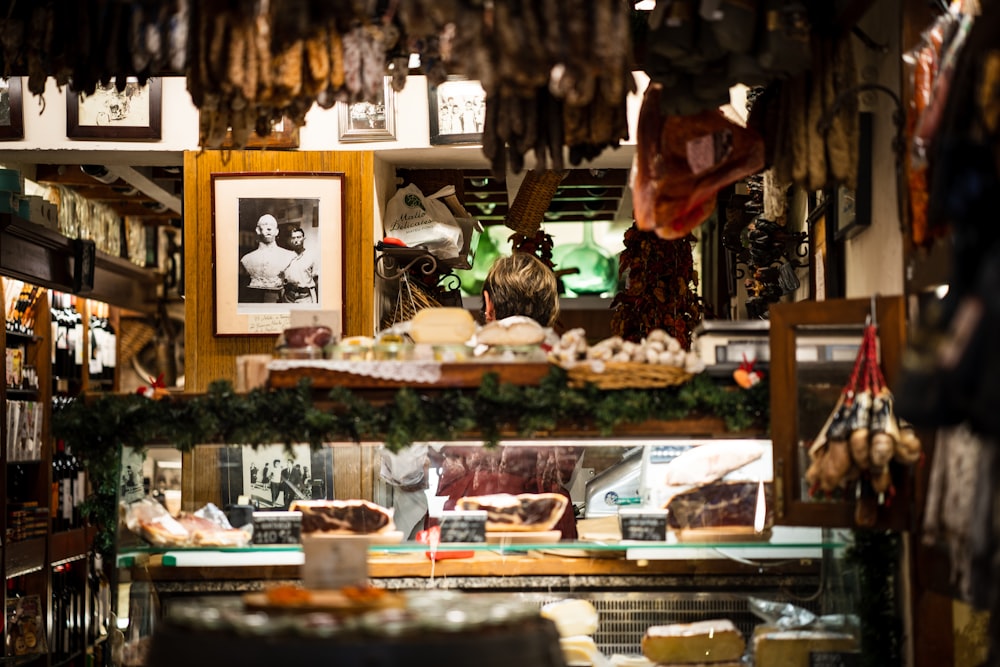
{"type": "Point", "coordinates": [209, 358]}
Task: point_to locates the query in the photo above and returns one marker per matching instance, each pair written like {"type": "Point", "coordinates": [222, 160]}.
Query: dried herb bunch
{"type": "Point", "coordinates": [660, 288]}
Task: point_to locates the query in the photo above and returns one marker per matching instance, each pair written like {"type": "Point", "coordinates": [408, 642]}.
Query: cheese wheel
{"type": "Point", "coordinates": [715, 640]}
{"type": "Point", "coordinates": [442, 326]}
{"type": "Point", "coordinates": [572, 617]}
{"type": "Point", "coordinates": [791, 648]}
{"type": "Point", "coordinates": [580, 651]}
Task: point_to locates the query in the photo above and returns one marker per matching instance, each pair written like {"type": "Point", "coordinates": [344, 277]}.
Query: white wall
{"type": "Point", "coordinates": [874, 258]}
{"type": "Point", "coordinates": [45, 133]}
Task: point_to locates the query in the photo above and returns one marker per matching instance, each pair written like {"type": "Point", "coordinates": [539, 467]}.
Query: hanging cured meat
{"type": "Point", "coordinates": [861, 437]}
{"type": "Point", "coordinates": [683, 161]}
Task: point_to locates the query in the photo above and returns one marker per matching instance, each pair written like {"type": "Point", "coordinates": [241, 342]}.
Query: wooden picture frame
{"type": "Point", "coordinates": [452, 106]}
{"type": "Point", "coordinates": [284, 136]}
{"type": "Point", "coordinates": [806, 378]}
{"type": "Point", "coordinates": [11, 110]}
{"type": "Point", "coordinates": [365, 121]}
{"type": "Point", "coordinates": [134, 113]}
{"type": "Point", "coordinates": [256, 218]}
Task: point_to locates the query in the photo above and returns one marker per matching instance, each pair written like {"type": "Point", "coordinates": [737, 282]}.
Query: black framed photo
{"type": "Point", "coordinates": [11, 109]}
{"type": "Point", "coordinates": [457, 110]}
{"type": "Point", "coordinates": [109, 113]}
{"type": "Point", "coordinates": [851, 211]}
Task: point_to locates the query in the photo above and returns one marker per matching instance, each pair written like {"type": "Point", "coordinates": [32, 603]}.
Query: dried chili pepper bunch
{"type": "Point", "coordinates": [538, 244]}
{"type": "Point", "coordinates": [660, 289]}
{"type": "Point", "coordinates": [862, 436]}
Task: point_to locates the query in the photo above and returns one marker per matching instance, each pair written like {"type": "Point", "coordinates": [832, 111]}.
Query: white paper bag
{"type": "Point", "coordinates": [417, 220]}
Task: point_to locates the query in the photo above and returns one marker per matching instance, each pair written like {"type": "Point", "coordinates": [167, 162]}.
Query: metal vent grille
{"type": "Point", "coordinates": [625, 616]}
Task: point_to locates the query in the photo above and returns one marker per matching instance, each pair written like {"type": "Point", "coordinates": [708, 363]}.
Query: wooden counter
{"type": "Point", "coordinates": [482, 564]}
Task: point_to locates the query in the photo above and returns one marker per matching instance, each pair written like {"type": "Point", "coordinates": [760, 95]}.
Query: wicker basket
{"type": "Point", "coordinates": [626, 375]}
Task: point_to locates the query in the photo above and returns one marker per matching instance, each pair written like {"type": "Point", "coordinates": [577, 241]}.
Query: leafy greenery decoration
{"type": "Point", "coordinates": [96, 429]}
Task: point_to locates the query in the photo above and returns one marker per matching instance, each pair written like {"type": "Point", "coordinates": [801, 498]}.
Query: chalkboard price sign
{"type": "Point", "coordinates": [277, 527]}
{"type": "Point", "coordinates": [645, 525]}
{"type": "Point", "coordinates": [835, 659]}
{"type": "Point", "coordinates": [463, 526]}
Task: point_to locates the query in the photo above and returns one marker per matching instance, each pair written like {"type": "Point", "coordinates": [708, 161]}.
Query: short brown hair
{"type": "Point", "coordinates": [522, 285]}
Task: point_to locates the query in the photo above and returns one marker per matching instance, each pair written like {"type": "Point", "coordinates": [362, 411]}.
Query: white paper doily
{"type": "Point", "coordinates": [428, 372]}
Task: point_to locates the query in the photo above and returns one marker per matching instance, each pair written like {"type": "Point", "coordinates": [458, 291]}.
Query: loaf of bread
{"type": "Point", "coordinates": [523, 512]}
{"type": "Point", "coordinates": [715, 640]}
{"type": "Point", "coordinates": [343, 516]}
{"type": "Point", "coordinates": [791, 648]}
{"type": "Point", "coordinates": [513, 330]}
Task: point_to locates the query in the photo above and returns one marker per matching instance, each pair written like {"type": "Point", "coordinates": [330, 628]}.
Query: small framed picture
{"type": "Point", "coordinates": [284, 135]}
{"type": "Point", "coordinates": [457, 109]}
{"type": "Point", "coordinates": [109, 113]}
{"type": "Point", "coordinates": [11, 109]}
{"type": "Point", "coordinates": [367, 121]}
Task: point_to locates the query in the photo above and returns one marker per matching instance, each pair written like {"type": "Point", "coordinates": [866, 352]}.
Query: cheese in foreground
{"type": "Point", "coordinates": [691, 643]}
{"type": "Point", "coordinates": [791, 648]}
{"type": "Point", "coordinates": [580, 651]}
{"type": "Point", "coordinates": [572, 617]}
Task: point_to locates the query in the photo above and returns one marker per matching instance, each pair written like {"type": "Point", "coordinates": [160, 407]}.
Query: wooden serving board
{"type": "Point", "coordinates": [523, 536]}
{"type": "Point", "coordinates": [457, 375]}
{"type": "Point", "coordinates": [332, 601]}
{"type": "Point", "coordinates": [722, 534]}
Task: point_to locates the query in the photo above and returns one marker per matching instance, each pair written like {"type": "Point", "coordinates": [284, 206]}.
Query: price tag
{"type": "Point", "coordinates": [277, 527]}
{"type": "Point", "coordinates": [834, 659]}
{"type": "Point", "coordinates": [334, 561]}
{"type": "Point", "coordinates": [463, 526]}
{"type": "Point", "coordinates": [644, 525]}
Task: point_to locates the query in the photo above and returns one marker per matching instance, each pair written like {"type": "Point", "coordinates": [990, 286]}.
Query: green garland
{"type": "Point", "coordinates": [97, 429]}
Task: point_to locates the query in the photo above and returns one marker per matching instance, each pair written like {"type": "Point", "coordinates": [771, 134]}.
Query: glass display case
{"type": "Point", "coordinates": [632, 583]}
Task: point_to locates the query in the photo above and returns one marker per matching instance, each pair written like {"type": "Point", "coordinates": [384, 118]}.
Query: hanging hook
{"type": "Point", "coordinates": [873, 310]}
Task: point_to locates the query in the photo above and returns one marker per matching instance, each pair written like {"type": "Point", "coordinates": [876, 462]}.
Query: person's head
{"type": "Point", "coordinates": [277, 463]}
{"type": "Point", "coordinates": [296, 238]}
{"type": "Point", "coordinates": [521, 285]}
{"type": "Point", "coordinates": [267, 228]}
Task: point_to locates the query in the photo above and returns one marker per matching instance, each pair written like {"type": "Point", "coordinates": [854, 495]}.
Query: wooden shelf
{"type": "Point", "coordinates": [70, 545]}
{"type": "Point", "coordinates": [24, 557]}
{"type": "Point", "coordinates": [43, 257]}
{"type": "Point", "coordinates": [453, 375]}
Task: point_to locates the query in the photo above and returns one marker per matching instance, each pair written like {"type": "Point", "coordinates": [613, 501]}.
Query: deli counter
{"type": "Point", "coordinates": [686, 573]}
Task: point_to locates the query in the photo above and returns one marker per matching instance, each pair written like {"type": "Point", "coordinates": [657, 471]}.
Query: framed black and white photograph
{"type": "Point", "coordinates": [274, 476]}
{"type": "Point", "coordinates": [11, 109]}
{"type": "Point", "coordinates": [457, 109]}
{"type": "Point", "coordinates": [132, 486]}
{"type": "Point", "coordinates": [278, 247]}
{"type": "Point", "coordinates": [368, 121]}
{"type": "Point", "coordinates": [109, 113]}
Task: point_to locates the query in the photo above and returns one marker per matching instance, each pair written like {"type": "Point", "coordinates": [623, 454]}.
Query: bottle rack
{"type": "Point", "coordinates": [47, 547]}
